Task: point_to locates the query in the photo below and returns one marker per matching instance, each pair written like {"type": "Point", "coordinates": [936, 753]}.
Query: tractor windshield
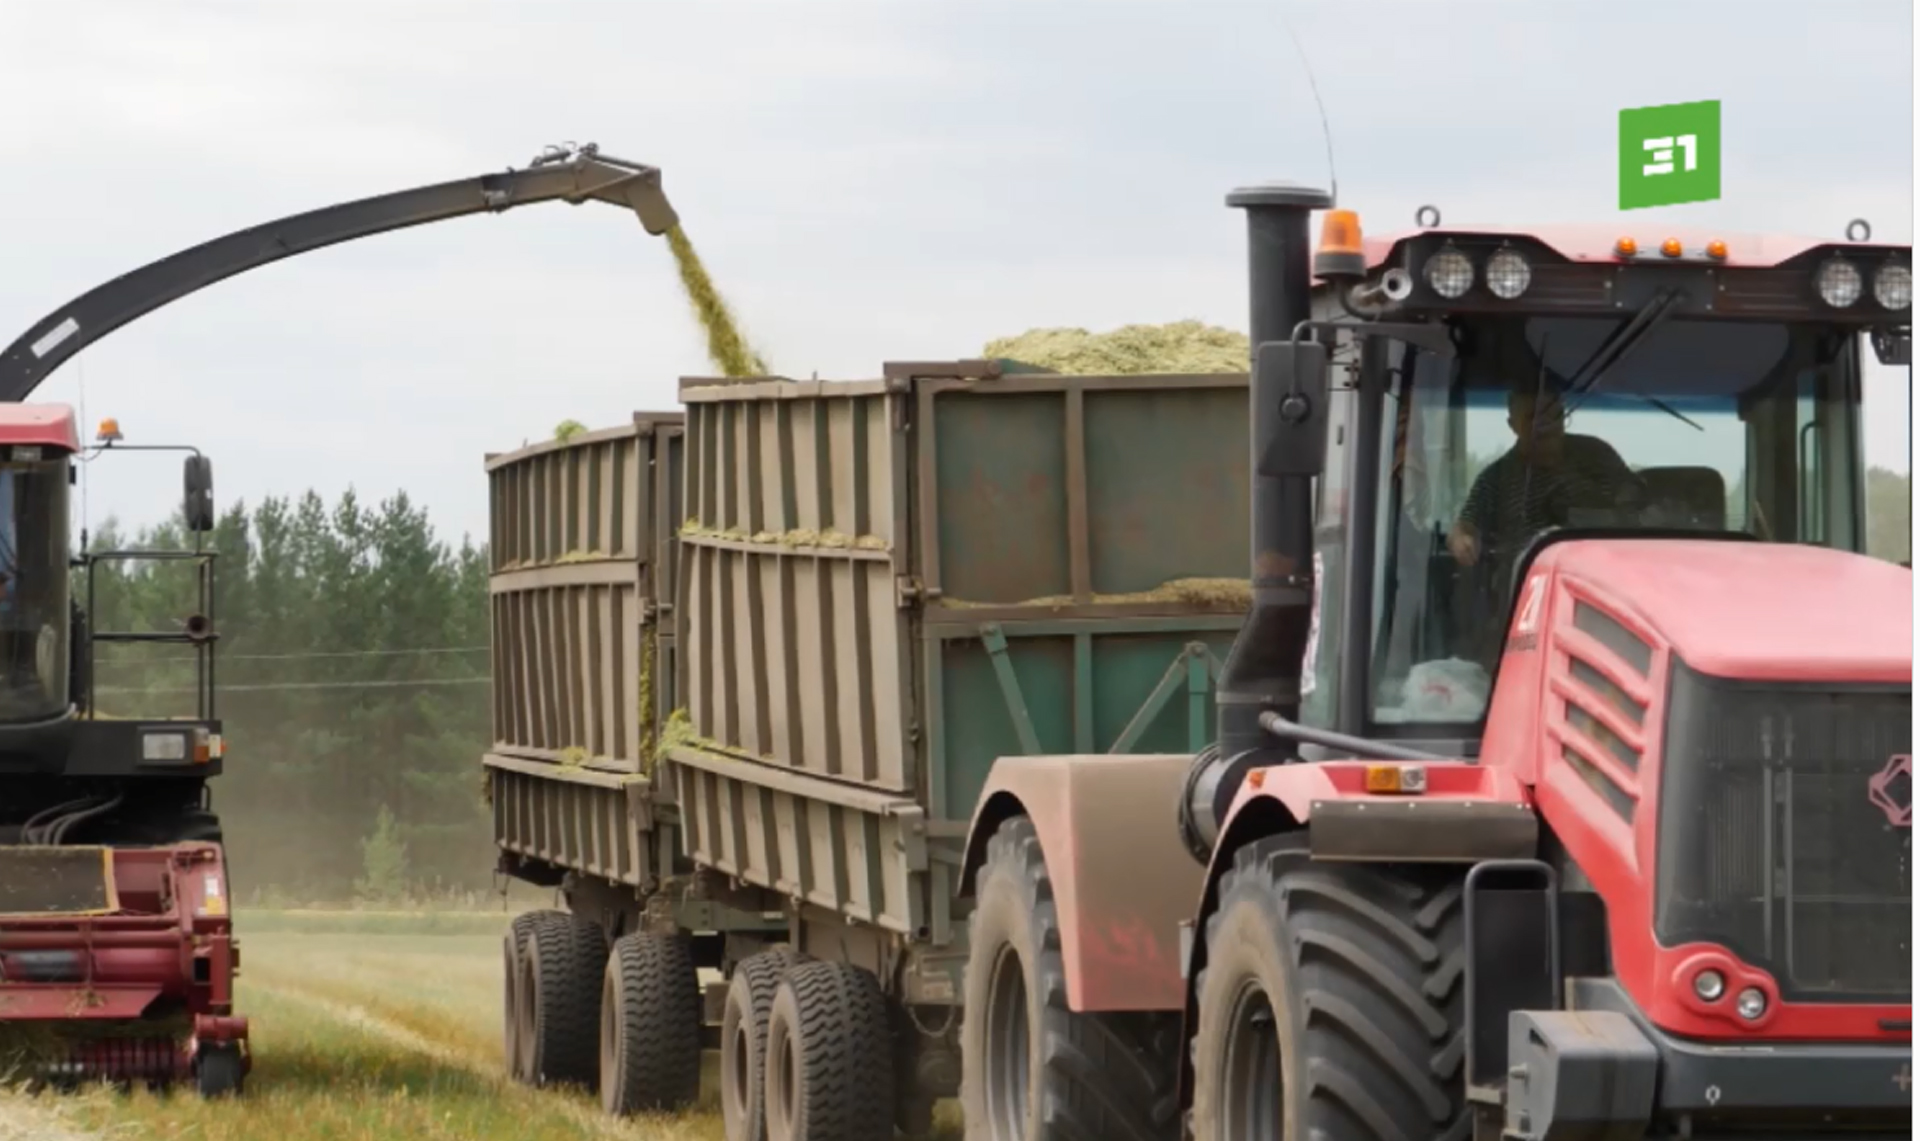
{"type": "Point", "coordinates": [34, 615]}
{"type": "Point", "coordinates": [1710, 426]}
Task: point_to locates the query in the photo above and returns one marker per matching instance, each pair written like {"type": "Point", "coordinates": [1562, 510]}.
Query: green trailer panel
{"type": "Point", "coordinates": [1142, 685]}
{"type": "Point", "coordinates": [886, 585]}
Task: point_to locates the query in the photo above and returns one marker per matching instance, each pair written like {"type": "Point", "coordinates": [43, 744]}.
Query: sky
{"type": "Point", "coordinates": [866, 182]}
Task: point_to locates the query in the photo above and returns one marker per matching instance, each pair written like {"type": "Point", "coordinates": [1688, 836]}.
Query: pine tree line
{"type": "Point", "coordinates": [352, 676]}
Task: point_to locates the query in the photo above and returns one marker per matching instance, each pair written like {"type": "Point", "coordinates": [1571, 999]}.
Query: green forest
{"type": "Point", "coordinates": [352, 670]}
{"type": "Point", "coordinates": [352, 679]}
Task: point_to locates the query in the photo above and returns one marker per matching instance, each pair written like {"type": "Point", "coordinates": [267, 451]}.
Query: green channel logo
{"type": "Point", "coordinates": [1669, 155]}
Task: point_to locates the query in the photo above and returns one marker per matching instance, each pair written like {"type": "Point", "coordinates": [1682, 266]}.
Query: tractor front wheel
{"type": "Point", "coordinates": [1331, 1004]}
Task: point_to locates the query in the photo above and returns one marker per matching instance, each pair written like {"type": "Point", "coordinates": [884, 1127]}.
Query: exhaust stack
{"type": "Point", "coordinates": [1262, 671]}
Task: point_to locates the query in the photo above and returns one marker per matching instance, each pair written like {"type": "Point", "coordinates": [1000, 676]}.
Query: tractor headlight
{"type": "Point", "coordinates": [1839, 283]}
{"type": "Point", "coordinates": [1750, 1003]}
{"type": "Point", "coordinates": [1709, 985]}
{"type": "Point", "coordinates": [1893, 286]}
{"type": "Point", "coordinates": [1508, 274]}
{"type": "Point", "coordinates": [1449, 273]}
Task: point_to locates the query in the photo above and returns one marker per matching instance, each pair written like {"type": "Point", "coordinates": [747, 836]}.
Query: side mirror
{"type": "Point", "coordinates": [199, 493]}
{"type": "Point", "coordinates": [1290, 395]}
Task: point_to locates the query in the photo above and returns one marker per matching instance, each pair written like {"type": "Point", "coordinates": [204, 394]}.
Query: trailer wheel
{"type": "Point", "coordinates": [1031, 1069]}
{"type": "Point", "coordinates": [829, 1061]}
{"type": "Point", "coordinates": [651, 1013]}
{"type": "Point", "coordinates": [219, 1071]}
{"type": "Point", "coordinates": [743, 1042]}
{"type": "Point", "coordinates": [1332, 1003]}
{"type": "Point", "coordinates": [560, 999]}
{"type": "Point", "coordinates": [512, 949]}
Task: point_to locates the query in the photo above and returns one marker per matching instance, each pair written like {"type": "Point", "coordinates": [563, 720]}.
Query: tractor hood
{"type": "Point", "coordinates": [1758, 611]}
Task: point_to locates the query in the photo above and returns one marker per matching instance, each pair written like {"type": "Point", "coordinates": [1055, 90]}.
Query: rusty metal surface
{"type": "Point", "coordinates": [56, 881]}
{"type": "Point", "coordinates": [1122, 881]}
{"type": "Point", "coordinates": [1400, 829]}
{"type": "Point", "coordinates": [792, 642]}
{"type": "Point", "coordinates": [593, 822]}
{"type": "Point", "coordinates": [576, 543]}
{"type": "Point", "coordinates": [854, 851]}
{"type": "Point", "coordinates": [834, 527]}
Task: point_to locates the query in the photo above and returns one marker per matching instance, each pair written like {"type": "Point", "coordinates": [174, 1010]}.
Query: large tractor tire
{"type": "Point", "coordinates": [559, 1000]}
{"type": "Point", "coordinates": [650, 1019]}
{"type": "Point", "coordinates": [1030, 1068]}
{"type": "Point", "coordinates": [743, 1042]}
{"type": "Point", "coordinates": [1332, 1003]}
{"type": "Point", "coordinates": [829, 1061]}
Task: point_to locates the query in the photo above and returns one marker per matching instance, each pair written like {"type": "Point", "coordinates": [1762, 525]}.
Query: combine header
{"type": "Point", "coordinates": [127, 956]}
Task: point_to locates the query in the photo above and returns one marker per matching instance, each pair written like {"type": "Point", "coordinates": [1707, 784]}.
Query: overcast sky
{"type": "Point", "coordinates": [866, 181]}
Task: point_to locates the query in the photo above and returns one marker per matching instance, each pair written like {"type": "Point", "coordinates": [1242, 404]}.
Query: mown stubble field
{"type": "Point", "coordinates": [366, 1027]}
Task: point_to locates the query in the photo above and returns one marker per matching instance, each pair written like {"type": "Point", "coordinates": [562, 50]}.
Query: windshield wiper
{"type": "Point", "coordinates": [1624, 340]}
{"type": "Point", "coordinates": [1616, 348]}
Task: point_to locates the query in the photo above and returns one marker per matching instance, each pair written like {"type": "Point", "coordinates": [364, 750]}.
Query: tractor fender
{"type": "Point", "coordinates": [1122, 881]}
{"type": "Point", "coordinates": [1469, 812]}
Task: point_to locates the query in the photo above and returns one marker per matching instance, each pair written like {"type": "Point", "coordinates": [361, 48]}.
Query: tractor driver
{"type": "Point", "coordinates": [1533, 486]}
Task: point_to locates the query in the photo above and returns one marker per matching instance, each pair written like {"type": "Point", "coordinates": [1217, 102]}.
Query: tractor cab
{"type": "Point", "coordinates": [1503, 391]}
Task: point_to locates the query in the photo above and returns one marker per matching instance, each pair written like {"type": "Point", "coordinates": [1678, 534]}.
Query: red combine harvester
{"type": "Point", "coordinates": [113, 883]}
{"type": "Point", "coordinates": [117, 956]}
{"type": "Point", "coordinates": [1562, 781]}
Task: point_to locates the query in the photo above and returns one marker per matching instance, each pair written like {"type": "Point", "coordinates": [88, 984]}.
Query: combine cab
{"type": "Point", "coordinates": [116, 952]}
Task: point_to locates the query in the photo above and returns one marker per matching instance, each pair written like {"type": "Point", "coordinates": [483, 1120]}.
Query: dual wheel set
{"type": "Point", "coordinates": [623, 1018]}
{"type": "Point", "coordinates": [806, 1047]}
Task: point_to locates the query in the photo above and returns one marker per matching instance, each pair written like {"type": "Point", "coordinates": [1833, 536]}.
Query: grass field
{"type": "Point", "coordinates": [366, 1027]}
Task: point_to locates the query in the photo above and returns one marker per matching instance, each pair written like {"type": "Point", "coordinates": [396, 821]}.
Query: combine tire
{"type": "Point", "coordinates": [559, 999]}
{"type": "Point", "coordinates": [1031, 1069]}
{"type": "Point", "coordinates": [743, 1043]}
{"type": "Point", "coordinates": [1331, 1004]}
{"type": "Point", "coordinates": [650, 1019]}
{"type": "Point", "coordinates": [829, 1063]}
{"type": "Point", "coordinates": [219, 1071]}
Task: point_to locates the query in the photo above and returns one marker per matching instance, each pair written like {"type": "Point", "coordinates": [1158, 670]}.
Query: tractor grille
{"type": "Point", "coordinates": [1785, 833]}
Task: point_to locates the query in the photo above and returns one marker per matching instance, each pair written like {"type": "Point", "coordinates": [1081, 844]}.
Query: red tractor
{"type": "Point", "coordinates": [1562, 781]}
{"type": "Point", "coordinates": [117, 954]}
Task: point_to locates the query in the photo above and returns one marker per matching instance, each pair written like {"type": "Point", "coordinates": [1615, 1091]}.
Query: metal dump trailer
{"type": "Point", "coordinates": [748, 695]}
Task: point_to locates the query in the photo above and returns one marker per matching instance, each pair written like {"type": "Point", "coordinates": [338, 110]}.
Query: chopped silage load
{"type": "Point", "coordinates": [1177, 347]}
{"type": "Point", "coordinates": [726, 346]}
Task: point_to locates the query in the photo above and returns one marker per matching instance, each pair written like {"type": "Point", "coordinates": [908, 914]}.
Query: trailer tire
{"type": "Point", "coordinates": [512, 949]}
{"type": "Point", "coordinates": [220, 1071]}
{"type": "Point", "coordinates": [651, 1013]}
{"type": "Point", "coordinates": [743, 1042]}
{"type": "Point", "coordinates": [1030, 1068]}
{"type": "Point", "coordinates": [560, 1000]}
{"type": "Point", "coordinates": [829, 1064]}
{"type": "Point", "coordinates": [1332, 1002]}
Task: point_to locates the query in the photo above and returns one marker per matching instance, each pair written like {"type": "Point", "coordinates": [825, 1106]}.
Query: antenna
{"type": "Point", "coordinates": [1326, 132]}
